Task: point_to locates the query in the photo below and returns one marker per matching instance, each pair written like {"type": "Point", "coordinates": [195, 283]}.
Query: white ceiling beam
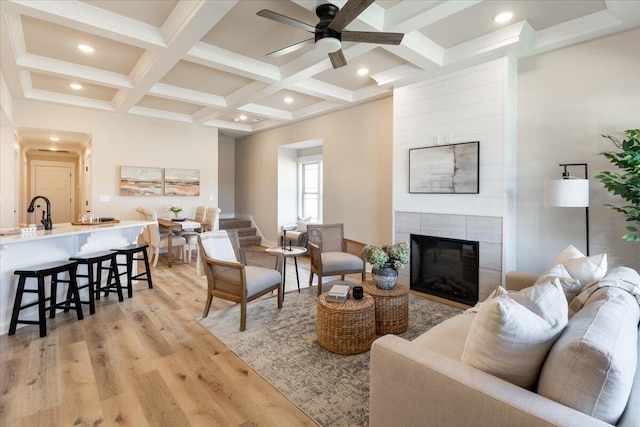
{"type": "Point", "coordinates": [224, 60]}
{"type": "Point", "coordinates": [62, 98]}
{"type": "Point", "coordinates": [195, 22]}
{"type": "Point", "coordinates": [161, 114]}
{"type": "Point", "coordinates": [261, 110]}
{"type": "Point", "coordinates": [85, 17]}
{"type": "Point", "coordinates": [187, 95]}
{"type": "Point", "coordinates": [63, 69]}
{"type": "Point", "coordinates": [324, 90]}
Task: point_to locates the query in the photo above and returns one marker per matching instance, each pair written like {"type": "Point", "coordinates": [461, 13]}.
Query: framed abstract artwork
{"type": "Point", "coordinates": [181, 182]}
{"type": "Point", "coordinates": [140, 181]}
{"type": "Point", "coordinates": [445, 169]}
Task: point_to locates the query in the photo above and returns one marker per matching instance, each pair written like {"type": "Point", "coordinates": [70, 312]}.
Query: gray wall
{"type": "Point", "coordinates": [226, 174]}
{"type": "Point", "coordinates": [566, 100]}
{"type": "Point", "coordinates": [357, 153]}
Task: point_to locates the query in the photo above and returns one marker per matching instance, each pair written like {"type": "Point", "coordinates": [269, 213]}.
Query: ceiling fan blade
{"type": "Point", "coordinates": [348, 13]}
{"type": "Point", "coordinates": [372, 37]}
{"type": "Point", "coordinates": [274, 16]}
{"type": "Point", "coordinates": [337, 59]}
{"type": "Point", "coordinates": [285, 50]}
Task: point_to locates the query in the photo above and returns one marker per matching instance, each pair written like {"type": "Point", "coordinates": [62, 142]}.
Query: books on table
{"type": "Point", "coordinates": [338, 293]}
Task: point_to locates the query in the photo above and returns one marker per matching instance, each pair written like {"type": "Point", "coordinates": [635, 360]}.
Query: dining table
{"type": "Point", "coordinates": [176, 225]}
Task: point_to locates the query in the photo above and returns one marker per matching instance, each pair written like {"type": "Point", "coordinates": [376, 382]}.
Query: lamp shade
{"type": "Point", "coordinates": [567, 192]}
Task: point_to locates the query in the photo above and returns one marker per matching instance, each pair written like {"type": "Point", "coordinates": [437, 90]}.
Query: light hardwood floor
{"type": "Point", "coordinates": [145, 361]}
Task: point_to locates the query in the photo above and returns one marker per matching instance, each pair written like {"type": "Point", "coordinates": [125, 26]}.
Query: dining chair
{"type": "Point", "coordinates": [238, 274]}
{"type": "Point", "coordinates": [331, 254]}
{"type": "Point", "coordinates": [211, 219]}
{"type": "Point", "coordinates": [156, 240]}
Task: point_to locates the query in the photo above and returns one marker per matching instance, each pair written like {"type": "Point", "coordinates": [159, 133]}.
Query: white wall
{"type": "Point", "coordinates": [226, 174]}
{"type": "Point", "coordinates": [357, 148]}
{"type": "Point", "coordinates": [287, 186]}
{"type": "Point", "coordinates": [566, 100]}
{"type": "Point", "coordinates": [121, 139]}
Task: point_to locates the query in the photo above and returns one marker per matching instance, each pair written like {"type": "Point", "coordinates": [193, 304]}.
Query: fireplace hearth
{"type": "Point", "coordinates": [447, 268]}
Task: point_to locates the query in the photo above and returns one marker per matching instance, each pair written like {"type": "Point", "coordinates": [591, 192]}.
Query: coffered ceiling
{"type": "Point", "coordinates": [204, 62]}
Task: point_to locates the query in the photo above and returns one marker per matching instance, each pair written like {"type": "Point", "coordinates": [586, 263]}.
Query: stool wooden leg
{"type": "Point", "coordinates": [16, 305]}
{"type": "Point", "coordinates": [73, 284]}
{"type": "Point", "coordinates": [129, 275]}
{"type": "Point", "coordinates": [54, 296]}
{"type": "Point", "coordinates": [42, 320]}
{"type": "Point", "coordinates": [145, 257]}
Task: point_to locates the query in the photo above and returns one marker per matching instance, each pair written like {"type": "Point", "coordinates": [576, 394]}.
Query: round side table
{"type": "Point", "coordinates": [346, 327]}
{"type": "Point", "coordinates": [392, 307]}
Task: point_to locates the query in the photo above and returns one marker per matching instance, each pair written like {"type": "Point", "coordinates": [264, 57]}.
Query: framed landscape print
{"type": "Point", "coordinates": [181, 182]}
{"type": "Point", "coordinates": [140, 181]}
{"type": "Point", "coordinates": [445, 169]}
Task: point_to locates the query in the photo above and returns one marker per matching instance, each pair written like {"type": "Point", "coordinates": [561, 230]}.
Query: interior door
{"type": "Point", "coordinates": [54, 181]}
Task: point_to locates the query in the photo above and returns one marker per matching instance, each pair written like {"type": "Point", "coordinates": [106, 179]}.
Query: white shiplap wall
{"type": "Point", "coordinates": [474, 104]}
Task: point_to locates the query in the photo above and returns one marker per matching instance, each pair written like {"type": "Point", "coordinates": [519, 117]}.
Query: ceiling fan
{"type": "Point", "coordinates": [328, 32]}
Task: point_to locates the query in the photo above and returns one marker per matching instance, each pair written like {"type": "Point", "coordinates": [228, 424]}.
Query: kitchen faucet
{"type": "Point", "coordinates": [48, 225]}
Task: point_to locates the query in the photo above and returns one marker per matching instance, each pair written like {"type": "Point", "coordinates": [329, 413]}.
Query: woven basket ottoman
{"type": "Point", "coordinates": [346, 327]}
{"type": "Point", "coordinates": [392, 307]}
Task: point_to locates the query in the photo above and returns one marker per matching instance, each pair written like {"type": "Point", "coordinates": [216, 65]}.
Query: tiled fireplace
{"type": "Point", "coordinates": [487, 231]}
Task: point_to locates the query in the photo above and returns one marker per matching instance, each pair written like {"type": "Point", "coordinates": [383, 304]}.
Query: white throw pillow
{"type": "Point", "coordinates": [512, 333]}
{"type": "Point", "coordinates": [591, 366]}
{"type": "Point", "coordinates": [585, 269]}
{"type": "Point", "coordinates": [570, 286]}
{"type": "Point", "coordinates": [302, 223]}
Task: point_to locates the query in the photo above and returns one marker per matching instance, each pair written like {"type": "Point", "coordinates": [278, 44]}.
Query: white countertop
{"type": "Point", "coordinates": [64, 229]}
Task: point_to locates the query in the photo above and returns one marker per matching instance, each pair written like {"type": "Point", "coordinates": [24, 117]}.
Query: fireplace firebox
{"type": "Point", "coordinates": [447, 268]}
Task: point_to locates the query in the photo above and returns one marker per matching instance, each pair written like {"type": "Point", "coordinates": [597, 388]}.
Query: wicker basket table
{"type": "Point", "coordinates": [346, 327]}
{"type": "Point", "coordinates": [392, 307]}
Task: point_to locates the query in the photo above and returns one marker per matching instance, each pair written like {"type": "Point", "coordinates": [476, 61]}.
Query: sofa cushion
{"type": "Point", "coordinates": [570, 286]}
{"type": "Point", "coordinates": [340, 261]}
{"type": "Point", "coordinates": [586, 269]}
{"type": "Point", "coordinates": [447, 337]}
{"type": "Point", "coordinates": [512, 333]}
{"type": "Point", "coordinates": [591, 367]}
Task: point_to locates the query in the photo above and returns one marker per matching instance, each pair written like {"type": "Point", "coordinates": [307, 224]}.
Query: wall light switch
{"type": "Point", "coordinates": [211, 197]}
{"type": "Point", "coordinates": [105, 198]}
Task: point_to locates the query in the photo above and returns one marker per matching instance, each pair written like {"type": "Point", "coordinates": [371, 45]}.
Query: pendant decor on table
{"type": "Point", "coordinates": [385, 277]}
{"type": "Point", "coordinates": [386, 262]}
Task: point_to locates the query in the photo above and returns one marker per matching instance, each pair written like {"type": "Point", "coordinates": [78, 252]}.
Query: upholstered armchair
{"type": "Point", "coordinates": [238, 274]}
{"type": "Point", "coordinates": [331, 254]}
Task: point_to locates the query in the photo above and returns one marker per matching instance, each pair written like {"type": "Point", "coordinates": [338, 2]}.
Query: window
{"type": "Point", "coordinates": [310, 188]}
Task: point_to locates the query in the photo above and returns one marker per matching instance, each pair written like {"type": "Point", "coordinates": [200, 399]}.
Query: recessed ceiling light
{"type": "Point", "coordinates": [236, 119]}
{"type": "Point", "coordinates": [54, 138]}
{"type": "Point", "coordinates": [243, 117]}
{"type": "Point", "coordinates": [86, 48]}
{"type": "Point", "coordinates": [53, 149]}
{"type": "Point", "coordinates": [288, 100]}
{"type": "Point", "coordinates": [363, 71]}
{"type": "Point", "coordinates": [75, 86]}
{"type": "Point", "coordinates": [257, 119]}
{"type": "Point", "coordinates": [503, 17]}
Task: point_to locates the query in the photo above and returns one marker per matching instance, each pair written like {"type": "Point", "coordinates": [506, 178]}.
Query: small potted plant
{"type": "Point", "coordinates": [176, 210]}
{"type": "Point", "coordinates": [386, 262]}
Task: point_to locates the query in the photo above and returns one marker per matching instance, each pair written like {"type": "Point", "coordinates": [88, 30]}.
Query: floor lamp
{"type": "Point", "coordinates": [569, 192]}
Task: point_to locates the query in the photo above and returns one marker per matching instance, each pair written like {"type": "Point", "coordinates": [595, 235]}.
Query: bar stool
{"type": "Point", "coordinates": [129, 252]}
{"type": "Point", "coordinates": [40, 272]}
{"type": "Point", "coordinates": [94, 284]}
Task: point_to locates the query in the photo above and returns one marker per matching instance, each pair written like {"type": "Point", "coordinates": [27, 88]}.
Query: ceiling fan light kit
{"type": "Point", "coordinates": [328, 45]}
{"type": "Point", "coordinates": [328, 32]}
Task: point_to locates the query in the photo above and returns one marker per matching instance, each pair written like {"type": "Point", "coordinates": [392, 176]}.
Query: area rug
{"type": "Point", "coordinates": [281, 346]}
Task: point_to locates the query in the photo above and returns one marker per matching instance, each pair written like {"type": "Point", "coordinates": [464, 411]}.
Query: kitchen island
{"type": "Point", "coordinates": [20, 250]}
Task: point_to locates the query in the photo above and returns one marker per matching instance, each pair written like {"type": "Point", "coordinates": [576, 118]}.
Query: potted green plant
{"type": "Point", "coordinates": [627, 182]}
{"type": "Point", "coordinates": [176, 210]}
{"type": "Point", "coordinates": [386, 262]}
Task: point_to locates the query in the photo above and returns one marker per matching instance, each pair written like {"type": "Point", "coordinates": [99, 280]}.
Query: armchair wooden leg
{"type": "Point", "coordinates": [207, 306]}
{"type": "Point", "coordinates": [243, 315]}
{"type": "Point", "coordinates": [310, 278]}
{"type": "Point", "coordinates": [280, 296]}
